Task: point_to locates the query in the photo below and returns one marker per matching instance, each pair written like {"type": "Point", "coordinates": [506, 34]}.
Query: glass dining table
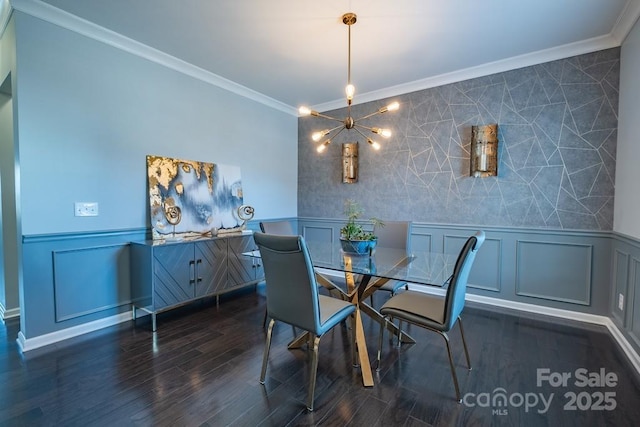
{"type": "Point", "coordinates": [356, 277]}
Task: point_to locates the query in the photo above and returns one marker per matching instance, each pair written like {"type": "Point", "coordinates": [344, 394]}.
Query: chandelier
{"type": "Point", "coordinates": [349, 122]}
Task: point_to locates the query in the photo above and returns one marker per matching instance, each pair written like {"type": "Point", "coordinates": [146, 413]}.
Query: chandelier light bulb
{"type": "Point", "coordinates": [383, 132]}
{"type": "Point", "coordinates": [317, 136]}
{"type": "Point", "coordinates": [373, 144]}
{"type": "Point", "coordinates": [391, 107]}
{"type": "Point", "coordinates": [350, 90]}
{"type": "Point", "coordinates": [323, 146]}
{"type": "Point", "coordinates": [304, 111]}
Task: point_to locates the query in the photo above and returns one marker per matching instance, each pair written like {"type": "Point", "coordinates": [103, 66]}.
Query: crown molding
{"type": "Point", "coordinates": [513, 63]}
{"type": "Point", "coordinates": [58, 17]}
{"type": "Point", "coordinates": [627, 19]}
{"type": "Point", "coordinates": [53, 15]}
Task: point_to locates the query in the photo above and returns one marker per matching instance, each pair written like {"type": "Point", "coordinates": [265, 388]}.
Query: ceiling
{"type": "Point", "coordinates": [295, 52]}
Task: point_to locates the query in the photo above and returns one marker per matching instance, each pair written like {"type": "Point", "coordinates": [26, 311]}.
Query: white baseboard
{"type": "Point", "coordinates": [617, 335]}
{"type": "Point", "coordinates": [8, 314]}
{"type": "Point", "coordinates": [27, 344]}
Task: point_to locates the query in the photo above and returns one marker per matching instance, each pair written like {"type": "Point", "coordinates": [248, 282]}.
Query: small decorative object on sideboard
{"type": "Point", "coordinates": [245, 213]}
{"type": "Point", "coordinates": [353, 237]}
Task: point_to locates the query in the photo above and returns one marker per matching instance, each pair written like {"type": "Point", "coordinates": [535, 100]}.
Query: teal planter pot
{"type": "Point", "coordinates": [359, 247]}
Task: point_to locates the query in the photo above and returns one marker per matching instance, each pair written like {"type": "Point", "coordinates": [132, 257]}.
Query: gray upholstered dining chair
{"type": "Point", "coordinates": [394, 234]}
{"type": "Point", "coordinates": [434, 312]}
{"type": "Point", "coordinates": [293, 298]}
{"type": "Point", "coordinates": [282, 228]}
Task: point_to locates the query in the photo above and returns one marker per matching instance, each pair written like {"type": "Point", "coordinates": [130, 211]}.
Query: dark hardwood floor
{"type": "Point", "coordinates": [202, 366]}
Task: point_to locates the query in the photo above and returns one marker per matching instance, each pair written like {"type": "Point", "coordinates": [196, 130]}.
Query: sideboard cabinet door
{"type": "Point", "coordinates": [242, 269]}
{"type": "Point", "coordinates": [211, 266]}
{"type": "Point", "coordinates": [166, 275]}
{"type": "Point", "coordinates": [173, 275]}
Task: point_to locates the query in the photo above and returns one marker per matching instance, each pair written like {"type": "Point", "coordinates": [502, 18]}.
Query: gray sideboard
{"type": "Point", "coordinates": [166, 274]}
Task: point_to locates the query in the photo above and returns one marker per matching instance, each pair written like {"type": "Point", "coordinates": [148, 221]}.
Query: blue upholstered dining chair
{"type": "Point", "coordinates": [434, 312]}
{"type": "Point", "coordinates": [293, 298]}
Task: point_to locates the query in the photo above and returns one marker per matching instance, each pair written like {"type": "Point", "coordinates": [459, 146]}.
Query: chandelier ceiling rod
{"type": "Point", "coordinates": [349, 123]}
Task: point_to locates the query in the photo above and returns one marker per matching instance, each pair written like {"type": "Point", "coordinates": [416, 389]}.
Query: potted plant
{"type": "Point", "coordinates": [353, 237]}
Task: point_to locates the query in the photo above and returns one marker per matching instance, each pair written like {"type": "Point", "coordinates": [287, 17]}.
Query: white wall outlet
{"type": "Point", "coordinates": [621, 301]}
{"type": "Point", "coordinates": [86, 209]}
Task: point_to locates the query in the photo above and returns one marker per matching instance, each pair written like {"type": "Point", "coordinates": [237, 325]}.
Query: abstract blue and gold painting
{"type": "Point", "coordinates": [192, 198]}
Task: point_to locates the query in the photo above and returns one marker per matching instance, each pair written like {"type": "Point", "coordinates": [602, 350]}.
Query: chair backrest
{"type": "Point", "coordinates": [454, 302]}
{"type": "Point", "coordinates": [394, 234]}
{"type": "Point", "coordinates": [282, 228]}
{"type": "Point", "coordinates": [292, 291]}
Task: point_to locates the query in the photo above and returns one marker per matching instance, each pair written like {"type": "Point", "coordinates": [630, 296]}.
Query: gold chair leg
{"type": "Point", "coordinates": [383, 325]}
{"type": "Point", "coordinates": [314, 371]}
{"type": "Point", "coordinates": [464, 343]}
{"type": "Point", "coordinates": [453, 368]}
{"type": "Point", "coordinates": [265, 358]}
{"type": "Point", "coordinates": [354, 342]}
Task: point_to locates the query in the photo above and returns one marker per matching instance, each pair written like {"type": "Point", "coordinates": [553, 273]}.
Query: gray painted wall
{"type": "Point", "coordinates": [627, 202]}
{"type": "Point", "coordinates": [557, 130]}
{"type": "Point", "coordinates": [89, 114]}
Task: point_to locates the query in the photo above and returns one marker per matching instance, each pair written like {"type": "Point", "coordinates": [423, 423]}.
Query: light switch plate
{"type": "Point", "coordinates": [621, 301]}
{"type": "Point", "coordinates": [86, 209]}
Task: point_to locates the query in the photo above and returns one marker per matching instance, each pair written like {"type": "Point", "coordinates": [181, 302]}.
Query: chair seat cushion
{"type": "Point", "coordinates": [392, 285]}
{"type": "Point", "coordinates": [332, 312]}
{"type": "Point", "coordinates": [418, 308]}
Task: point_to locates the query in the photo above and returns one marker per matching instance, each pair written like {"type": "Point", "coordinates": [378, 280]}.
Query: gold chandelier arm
{"type": "Point", "coordinates": [358, 130]}
{"type": "Point", "coordinates": [364, 127]}
{"type": "Point", "coordinates": [385, 133]}
{"type": "Point", "coordinates": [368, 115]}
{"type": "Point", "coordinates": [391, 107]}
{"type": "Point", "coordinates": [326, 117]}
{"type": "Point", "coordinates": [337, 127]}
{"type": "Point", "coordinates": [339, 132]}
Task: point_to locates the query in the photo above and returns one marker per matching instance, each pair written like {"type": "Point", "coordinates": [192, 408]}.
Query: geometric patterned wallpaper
{"type": "Point", "coordinates": [557, 135]}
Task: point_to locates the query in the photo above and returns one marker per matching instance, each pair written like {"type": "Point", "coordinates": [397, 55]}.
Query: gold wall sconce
{"type": "Point", "coordinates": [350, 162]}
{"type": "Point", "coordinates": [484, 151]}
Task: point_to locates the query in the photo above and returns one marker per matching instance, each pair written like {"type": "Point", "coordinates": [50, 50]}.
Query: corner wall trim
{"type": "Point", "coordinates": [27, 344]}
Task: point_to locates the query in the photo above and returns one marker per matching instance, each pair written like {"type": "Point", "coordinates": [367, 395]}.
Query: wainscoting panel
{"type": "Point", "coordinates": [421, 241]}
{"type": "Point", "coordinates": [554, 271]}
{"type": "Point", "coordinates": [85, 280]}
{"type": "Point", "coordinates": [569, 270]}
{"type": "Point", "coordinates": [73, 279]}
{"type": "Point", "coordinates": [319, 233]}
{"type": "Point", "coordinates": [485, 273]}
{"type": "Point", "coordinates": [634, 324]}
{"type": "Point", "coordinates": [619, 282]}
